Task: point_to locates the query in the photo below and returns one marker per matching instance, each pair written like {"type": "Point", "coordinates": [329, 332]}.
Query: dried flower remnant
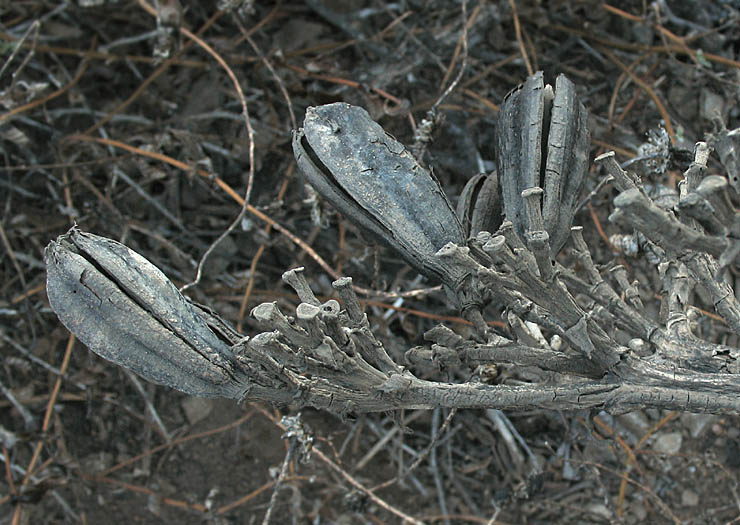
{"type": "Point", "coordinates": [727, 143]}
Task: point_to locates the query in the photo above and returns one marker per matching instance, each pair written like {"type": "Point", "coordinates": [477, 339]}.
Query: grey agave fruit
{"type": "Point", "coordinates": [542, 140]}
{"type": "Point", "coordinates": [125, 310]}
{"type": "Point", "coordinates": [375, 182]}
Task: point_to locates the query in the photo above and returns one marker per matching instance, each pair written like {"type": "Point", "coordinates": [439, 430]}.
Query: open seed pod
{"type": "Point", "coordinates": [125, 310]}
{"type": "Point", "coordinates": [542, 141]}
{"type": "Point", "coordinates": [375, 182]}
{"type": "Point", "coordinates": [479, 206]}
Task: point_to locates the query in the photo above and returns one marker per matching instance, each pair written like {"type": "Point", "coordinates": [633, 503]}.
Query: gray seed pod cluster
{"type": "Point", "coordinates": [542, 156]}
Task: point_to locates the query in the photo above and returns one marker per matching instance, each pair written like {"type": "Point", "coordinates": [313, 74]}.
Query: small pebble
{"type": "Point", "coordinates": [196, 408]}
{"type": "Point", "coordinates": [635, 422]}
{"type": "Point", "coordinates": [600, 510]}
{"type": "Point", "coordinates": [689, 498]}
{"type": "Point", "coordinates": [710, 103]}
{"type": "Point", "coordinates": [668, 443]}
{"type": "Point", "coordinates": [640, 512]}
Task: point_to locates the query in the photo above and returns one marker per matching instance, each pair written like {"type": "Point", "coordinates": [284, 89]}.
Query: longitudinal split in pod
{"type": "Point", "coordinates": [375, 182]}
{"type": "Point", "coordinates": [542, 141]}
{"type": "Point", "coordinates": [127, 311]}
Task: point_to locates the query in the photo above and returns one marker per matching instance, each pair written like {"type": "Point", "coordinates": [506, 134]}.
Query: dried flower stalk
{"type": "Point", "coordinates": [325, 354]}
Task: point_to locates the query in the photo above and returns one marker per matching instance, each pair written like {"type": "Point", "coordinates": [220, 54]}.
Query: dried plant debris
{"type": "Point", "coordinates": [326, 356]}
{"type": "Point", "coordinates": [726, 144]}
{"type": "Point", "coordinates": [705, 199]}
{"type": "Point", "coordinates": [542, 141]}
{"type": "Point", "coordinates": [95, 131]}
{"type": "Point", "coordinates": [655, 153]}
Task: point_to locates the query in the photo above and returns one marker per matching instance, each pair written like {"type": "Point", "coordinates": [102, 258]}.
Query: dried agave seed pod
{"type": "Point", "coordinates": [125, 310]}
{"type": "Point", "coordinates": [479, 207]}
{"type": "Point", "coordinates": [542, 141]}
{"type": "Point", "coordinates": [374, 181]}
